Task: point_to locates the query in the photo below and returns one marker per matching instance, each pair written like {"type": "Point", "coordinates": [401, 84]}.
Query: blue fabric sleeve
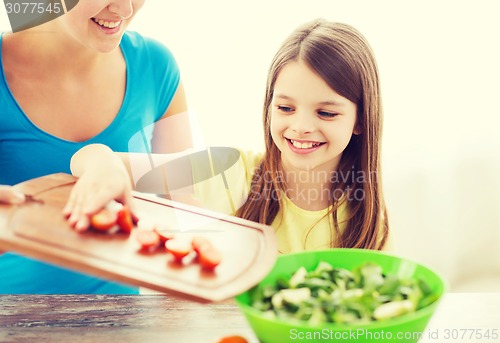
{"type": "Point", "coordinates": [164, 64]}
{"type": "Point", "coordinates": [161, 64]}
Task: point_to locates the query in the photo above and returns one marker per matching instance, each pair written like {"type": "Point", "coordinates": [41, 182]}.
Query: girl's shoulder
{"type": "Point", "coordinates": [251, 158]}
{"type": "Point", "coordinates": [234, 161]}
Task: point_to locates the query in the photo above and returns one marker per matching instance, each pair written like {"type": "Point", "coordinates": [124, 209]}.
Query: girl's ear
{"type": "Point", "coordinates": [357, 130]}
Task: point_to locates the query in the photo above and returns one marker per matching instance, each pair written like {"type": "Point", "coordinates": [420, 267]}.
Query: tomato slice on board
{"type": "Point", "coordinates": [232, 339]}
{"type": "Point", "coordinates": [178, 248]}
{"type": "Point", "coordinates": [124, 220]}
{"type": "Point", "coordinates": [164, 235]}
{"type": "Point", "coordinates": [200, 243]}
{"type": "Point", "coordinates": [209, 258]}
{"type": "Point", "coordinates": [148, 239]}
{"type": "Point", "coordinates": [103, 220]}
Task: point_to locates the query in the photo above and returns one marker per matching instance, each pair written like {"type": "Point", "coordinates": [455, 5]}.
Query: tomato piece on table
{"type": "Point", "coordinates": [148, 239]}
{"type": "Point", "coordinates": [103, 220]}
{"type": "Point", "coordinates": [124, 220]}
{"type": "Point", "coordinates": [179, 248]}
{"type": "Point", "coordinates": [232, 339]}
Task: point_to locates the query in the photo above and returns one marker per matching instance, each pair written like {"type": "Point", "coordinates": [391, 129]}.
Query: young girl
{"type": "Point", "coordinates": [322, 121]}
{"type": "Point", "coordinates": [318, 183]}
{"type": "Point", "coordinates": [77, 80]}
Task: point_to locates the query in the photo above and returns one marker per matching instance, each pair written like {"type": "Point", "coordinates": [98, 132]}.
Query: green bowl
{"type": "Point", "coordinates": [405, 328]}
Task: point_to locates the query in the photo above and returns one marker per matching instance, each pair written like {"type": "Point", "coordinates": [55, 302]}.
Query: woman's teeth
{"type": "Point", "coordinates": [108, 24]}
{"type": "Point", "coordinates": [304, 145]}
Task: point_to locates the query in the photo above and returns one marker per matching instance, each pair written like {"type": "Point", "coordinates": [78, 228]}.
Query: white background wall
{"type": "Point", "coordinates": [440, 69]}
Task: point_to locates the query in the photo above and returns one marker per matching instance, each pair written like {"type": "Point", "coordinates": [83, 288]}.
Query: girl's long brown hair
{"type": "Point", "coordinates": [342, 57]}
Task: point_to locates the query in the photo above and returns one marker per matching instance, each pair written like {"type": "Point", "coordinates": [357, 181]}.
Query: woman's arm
{"type": "Point", "coordinates": [172, 133]}
{"type": "Point", "coordinates": [102, 177]}
{"type": "Point", "coordinates": [105, 175]}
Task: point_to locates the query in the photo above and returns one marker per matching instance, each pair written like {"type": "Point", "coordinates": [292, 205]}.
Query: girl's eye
{"type": "Point", "coordinates": [325, 114]}
{"type": "Point", "coordinates": [285, 109]}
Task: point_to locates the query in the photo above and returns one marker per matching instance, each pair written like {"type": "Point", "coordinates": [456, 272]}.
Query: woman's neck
{"type": "Point", "coordinates": [50, 51]}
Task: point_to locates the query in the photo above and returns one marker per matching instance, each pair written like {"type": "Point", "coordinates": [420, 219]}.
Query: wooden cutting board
{"type": "Point", "coordinates": [38, 229]}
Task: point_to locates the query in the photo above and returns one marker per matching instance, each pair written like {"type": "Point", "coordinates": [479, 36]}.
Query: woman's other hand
{"type": "Point", "coordinates": [102, 177]}
{"type": "Point", "coordinates": [9, 195]}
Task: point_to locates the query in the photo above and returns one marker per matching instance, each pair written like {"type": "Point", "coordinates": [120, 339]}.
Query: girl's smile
{"type": "Point", "coordinates": [303, 147]}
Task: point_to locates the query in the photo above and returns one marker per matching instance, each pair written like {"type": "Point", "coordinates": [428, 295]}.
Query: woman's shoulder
{"type": "Point", "coordinates": [137, 40]}
{"type": "Point", "coordinates": [135, 43]}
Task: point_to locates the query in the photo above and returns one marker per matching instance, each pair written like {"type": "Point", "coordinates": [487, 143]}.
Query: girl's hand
{"type": "Point", "coordinates": [10, 196]}
{"type": "Point", "coordinates": [102, 177]}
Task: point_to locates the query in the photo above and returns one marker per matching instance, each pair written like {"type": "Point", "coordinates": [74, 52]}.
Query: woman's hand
{"type": "Point", "coordinates": [102, 177]}
{"type": "Point", "coordinates": [9, 195]}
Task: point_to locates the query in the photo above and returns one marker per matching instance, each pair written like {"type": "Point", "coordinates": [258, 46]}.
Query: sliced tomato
{"type": "Point", "coordinates": [179, 248]}
{"type": "Point", "coordinates": [164, 235]}
{"type": "Point", "coordinates": [135, 218]}
{"type": "Point", "coordinates": [232, 339]}
{"type": "Point", "coordinates": [148, 239]}
{"type": "Point", "coordinates": [200, 243]}
{"type": "Point", "coordinates": [209, 258]}
{"type": "Point", "coordinates": [124, 220]}
{"type": "Point", "coordinates": [103, 220]}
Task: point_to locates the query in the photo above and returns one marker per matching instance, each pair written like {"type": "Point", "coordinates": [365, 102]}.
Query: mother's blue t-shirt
{"type": "Point", "coordinates": [27, 152]}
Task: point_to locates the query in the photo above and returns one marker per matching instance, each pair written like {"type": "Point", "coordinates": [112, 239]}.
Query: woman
{"type": "Point", "coordinates": [76, 80]}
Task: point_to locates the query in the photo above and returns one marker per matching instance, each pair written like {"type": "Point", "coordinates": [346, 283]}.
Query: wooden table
{"type": "Point", "coordinates": [164, 318]}
{"type": "Point", "coordinates": [117, 318]}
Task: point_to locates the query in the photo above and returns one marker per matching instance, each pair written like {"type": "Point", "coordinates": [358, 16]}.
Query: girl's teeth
{"type": "Point", "coordinates": [108, 24]}
{"type": "Point", "coordinates": [305, 145]}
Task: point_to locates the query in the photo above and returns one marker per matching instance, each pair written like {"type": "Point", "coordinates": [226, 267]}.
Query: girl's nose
{"type": "Point", "coordinates": [302, 123]}
{"type": "Point", "coordinates": [123, 8]}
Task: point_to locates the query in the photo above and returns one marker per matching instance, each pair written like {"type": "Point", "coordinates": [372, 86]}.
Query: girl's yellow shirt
{"type": "Point", "coordinates": [296, 229]}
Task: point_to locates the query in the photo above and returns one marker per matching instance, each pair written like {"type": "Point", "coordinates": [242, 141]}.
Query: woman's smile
{"type": "Point", "coordinates": [108, 26]}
